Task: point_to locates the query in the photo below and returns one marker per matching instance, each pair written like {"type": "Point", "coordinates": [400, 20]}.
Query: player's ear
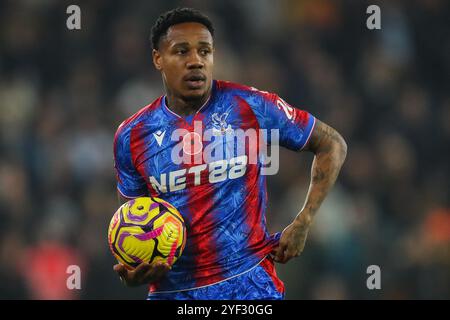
{"type": "Point", "coordinates": [157, 59]}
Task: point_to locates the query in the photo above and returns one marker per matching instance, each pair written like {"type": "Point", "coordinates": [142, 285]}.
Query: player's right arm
{"type": "Point", "coordinates": [330, 150]}
{"type": "Point", "coordinates": [130, 185]}
{"type": "Point", "coordinates": [300, 131]}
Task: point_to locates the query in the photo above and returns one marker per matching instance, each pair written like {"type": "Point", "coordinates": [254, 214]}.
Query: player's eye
{"type": "Point", "coordinates": [181, 51]}
{"type": "Point", "coordinates": [204, 52]}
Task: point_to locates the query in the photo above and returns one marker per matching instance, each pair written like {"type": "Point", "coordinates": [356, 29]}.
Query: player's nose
{"type": "Point", "coordinates": [195, 61]}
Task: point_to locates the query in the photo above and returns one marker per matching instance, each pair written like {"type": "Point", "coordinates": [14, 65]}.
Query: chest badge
{"type": "Point", "coordinates": [219, 123]}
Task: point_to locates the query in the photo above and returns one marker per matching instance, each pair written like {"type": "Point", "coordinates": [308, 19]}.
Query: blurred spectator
{"type": "Point", "coordinates": [45, 271]}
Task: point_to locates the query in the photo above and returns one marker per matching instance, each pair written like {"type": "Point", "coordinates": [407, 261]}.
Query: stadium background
{"type": "Point", "coordinates": [63, 93]}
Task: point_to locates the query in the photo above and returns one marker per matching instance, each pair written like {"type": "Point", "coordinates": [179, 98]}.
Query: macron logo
{"type": "Point", "coordinates": [159, 136]}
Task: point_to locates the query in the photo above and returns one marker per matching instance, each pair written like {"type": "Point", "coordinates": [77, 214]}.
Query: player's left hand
{"type": "Point", "coordinates": [144, 273]}
{"type": "Point", "coordinates": [292, 240]}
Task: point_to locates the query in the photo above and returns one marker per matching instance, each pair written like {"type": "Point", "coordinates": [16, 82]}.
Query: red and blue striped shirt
{"type": "Point", "coordinates": [221, 195]}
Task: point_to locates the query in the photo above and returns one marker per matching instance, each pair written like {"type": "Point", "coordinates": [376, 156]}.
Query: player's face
{"type": "Point", "coordinates": [185, 59]}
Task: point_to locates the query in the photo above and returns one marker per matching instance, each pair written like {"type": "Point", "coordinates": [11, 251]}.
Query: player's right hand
{"type": "Point", "coordinates": [144, 273]}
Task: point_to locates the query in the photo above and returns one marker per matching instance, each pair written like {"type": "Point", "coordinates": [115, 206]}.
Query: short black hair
{"type": "Point", "coordinates": [176, 16]}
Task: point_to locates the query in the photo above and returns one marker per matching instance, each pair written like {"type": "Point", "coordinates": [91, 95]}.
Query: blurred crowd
{"type": "Point", "coordinates": [63, 93]}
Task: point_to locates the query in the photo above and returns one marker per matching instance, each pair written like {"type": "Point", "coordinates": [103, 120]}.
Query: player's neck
{"type": "Point", "coordinates": [183, 107]}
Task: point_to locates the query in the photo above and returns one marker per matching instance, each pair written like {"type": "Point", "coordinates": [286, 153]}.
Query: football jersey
{"type": "Point", "coordinates": [218, 186]}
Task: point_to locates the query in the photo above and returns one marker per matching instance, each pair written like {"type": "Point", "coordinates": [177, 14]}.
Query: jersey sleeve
{"type": "Point", "coordinates": [294, 125]}
{"type": "Point", "coordinates": [129, 182]}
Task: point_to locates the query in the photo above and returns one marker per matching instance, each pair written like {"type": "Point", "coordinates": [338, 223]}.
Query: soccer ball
{"type": "Point", "coordinates": [146, 230]}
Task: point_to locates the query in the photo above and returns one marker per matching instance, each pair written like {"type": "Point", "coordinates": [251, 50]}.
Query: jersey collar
{"type": "Point", "coordinates": [201, 109]}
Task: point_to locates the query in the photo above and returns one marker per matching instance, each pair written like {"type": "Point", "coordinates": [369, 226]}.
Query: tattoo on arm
{"type": "Point", "coordinates": [330, 151]}
{"type": "Point", "coordinates": [318, 176]}
{"type": "Point", "coordinates": [323, 138]}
